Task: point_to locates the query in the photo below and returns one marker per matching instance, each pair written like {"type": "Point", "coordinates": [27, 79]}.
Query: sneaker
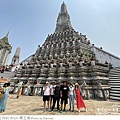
{"type": "Point", "coordinates": [65, 110]}
{"type": "Point", "coordinates": [44, 109]}
{"type": "Point", "coordinates": [51, 111]}
{"type": "Point", "coordinates": [79, 111]}
{"type": "Point", "coordinates": [86, 110]}
{"type": "Point", "coordinates": [60, 111]}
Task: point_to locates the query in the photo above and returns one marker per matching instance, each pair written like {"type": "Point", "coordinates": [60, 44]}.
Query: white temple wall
{"type": "Point", "coordinates": [103, 56]}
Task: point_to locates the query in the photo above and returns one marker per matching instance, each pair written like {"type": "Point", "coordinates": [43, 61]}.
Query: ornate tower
{"type": "Point", "coordinates": [66, 55]}
{"type": "Point", "coordinates": [16, 57]}
{"type": "Point", "coordinates": [63, 20]}
{"type": "Point", "coordinates": [5, 50]}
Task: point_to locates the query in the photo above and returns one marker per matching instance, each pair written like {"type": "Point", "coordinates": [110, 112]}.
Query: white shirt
{"type": "Point", "coordinates": [71, 90]}
{"type": "Point", "coordinates": [52, 89]}
{"type": "Point", "coordinates": [47, 90]}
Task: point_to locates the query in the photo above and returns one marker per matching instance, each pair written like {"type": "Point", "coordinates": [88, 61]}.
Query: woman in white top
{"type": "Point", "coordinates": [46, 95]}
{"type": "Point", "coordinates": [72, 96]}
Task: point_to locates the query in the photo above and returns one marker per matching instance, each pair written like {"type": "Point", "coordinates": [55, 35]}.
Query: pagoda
{"type": "Point", "coordinates": [66, 55]}
{"type": "Point", "coordinates": [5, 50]}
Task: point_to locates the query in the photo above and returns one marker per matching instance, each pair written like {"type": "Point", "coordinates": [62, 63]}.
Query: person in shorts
{"type": "Point", "coordinates": [64, 94]}
{"type": "Point", "coordinates": [46, 95]}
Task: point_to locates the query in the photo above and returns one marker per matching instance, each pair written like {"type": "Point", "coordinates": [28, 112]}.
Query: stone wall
{"type": "Point", "coordinates": [103, 56]}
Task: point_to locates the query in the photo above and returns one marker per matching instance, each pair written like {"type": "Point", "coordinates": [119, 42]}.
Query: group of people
{"type": "Point", "coordinates": [56, 92]}
{"type": "Point", "coordinates": [4, 94]}
{"type": "Point", "coordinates": [61, 93]}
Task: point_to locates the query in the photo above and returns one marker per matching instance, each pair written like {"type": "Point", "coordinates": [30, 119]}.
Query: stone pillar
{"type": "Point", "coordinates": [34, 90]}
{"type": "Point", "coordinates": [24, 90]}
{"type": "Point", "coordinates": [94, 93]}
{"type": "Point", "coordinates": [104, 96]}
{"type": "Point", "coordinates": [87, 96]}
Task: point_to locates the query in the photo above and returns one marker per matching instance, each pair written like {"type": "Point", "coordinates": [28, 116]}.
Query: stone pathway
{"type": "Point", "coordinates": [33, 105]}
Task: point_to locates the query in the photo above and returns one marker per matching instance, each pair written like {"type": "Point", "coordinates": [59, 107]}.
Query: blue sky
{"type": "Point", "coordinates": [32, 20]}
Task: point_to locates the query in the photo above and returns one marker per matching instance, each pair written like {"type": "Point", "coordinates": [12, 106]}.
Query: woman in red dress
{"type": "Point", "coordinates": [79, 99]}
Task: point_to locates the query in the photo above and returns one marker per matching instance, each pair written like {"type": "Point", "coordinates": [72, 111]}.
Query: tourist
{"type": "Point", "coordinates": [52, 87]}
{"type": "Point", "coordinates": [56, 96]}
{"type": "Point", "coordinates": [72, 96]}
{"type": "Point", "coordinates": [79, 99]}
{"type": "Point", "coordinates": [4, 96]}
{"type": "Point", "coordinates": [46, 95]}
{"type": "Point", "coordinates": [20, 88]}
{"type": "Point", "coordinates": [64, 94]}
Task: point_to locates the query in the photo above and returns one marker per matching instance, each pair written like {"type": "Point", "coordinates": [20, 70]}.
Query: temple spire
{"type": "Point", "coordinates": [63, 20]}
{"type": "Point", "coordinates": [16, 57]}
{"type": "Point", "coordinates": [5, 38]}
{"type": "Point", "coordinates": [8, 32]}
{"type": "Point", "coordinates": [63, 8]}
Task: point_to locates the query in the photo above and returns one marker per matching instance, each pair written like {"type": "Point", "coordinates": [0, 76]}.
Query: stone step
{"type": "Point", "coordinates": [114, 98]}
{"type": "Point", "coordinates": [116, 75]}
{"type": "Point", "coordinates": [115, 89]}
{"type": "Point", "coordinates": [116, 92]}
{"type": "Point", "coordinates": [114, 83]}
{"type": "Point", "coordinates": [114, 78]}
{"type": "Point", "coordinates": [115, 86]}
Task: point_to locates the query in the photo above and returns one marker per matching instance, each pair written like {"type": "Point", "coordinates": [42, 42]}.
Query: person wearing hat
{"type": "Point", "coordinates": [79, 100]}
{"type": "Point", "coordinates": [46, 95]}
{"type": "Point", "coordinates": [64, 94]}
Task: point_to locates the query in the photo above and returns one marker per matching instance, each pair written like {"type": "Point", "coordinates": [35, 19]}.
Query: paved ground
{"type": "Point", "coordinates": [33, 105]}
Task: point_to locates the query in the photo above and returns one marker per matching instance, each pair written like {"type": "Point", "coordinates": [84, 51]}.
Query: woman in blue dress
{"type": "Point", "coordinates": [3, 101]}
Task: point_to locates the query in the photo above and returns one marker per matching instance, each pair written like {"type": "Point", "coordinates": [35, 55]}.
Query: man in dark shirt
{"type": "Point", "coordinates": [64, 94]}
{"type": "Point", "coordinates": [56, 96]}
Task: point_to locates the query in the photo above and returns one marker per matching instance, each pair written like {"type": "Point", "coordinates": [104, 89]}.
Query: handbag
{"type": "Point", "coordinates": [1, 94]}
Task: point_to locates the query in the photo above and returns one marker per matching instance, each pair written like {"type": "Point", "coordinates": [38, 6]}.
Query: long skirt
{"type": "Point", "coordinates": [4, 100]}
{"type": "Point", "coordinates": [19, 92]}
{"type": "Point", "coordinates": [79, 100]}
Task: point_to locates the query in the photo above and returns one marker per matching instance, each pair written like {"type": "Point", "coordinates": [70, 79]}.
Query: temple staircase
{"type": "Point", "coordinates": [114, 82]}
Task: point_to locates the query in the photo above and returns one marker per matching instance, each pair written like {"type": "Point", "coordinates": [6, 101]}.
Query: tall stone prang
{"type": "Point", "coordinates": [15, 60]}
{"type": "Point", "coordinates": [63, 20]}
{"type": "Point", "coordinates": [5, 50]}
{"type": "Point", "coordinates": [16, 57]}
{"type": "Point", "coordinates": [66, 55]}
